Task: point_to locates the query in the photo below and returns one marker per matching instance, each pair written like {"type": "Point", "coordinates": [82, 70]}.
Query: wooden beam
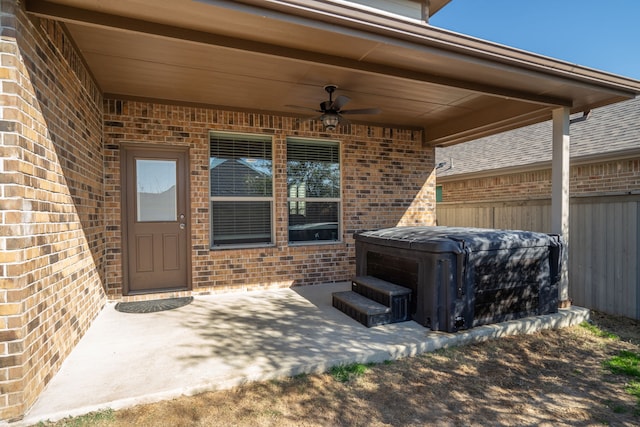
{"type": "Point", "coordinates": [499, 118]}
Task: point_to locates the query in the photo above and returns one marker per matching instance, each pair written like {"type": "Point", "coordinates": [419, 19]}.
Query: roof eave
{"type": "Point", "coordinates": [334, 16]}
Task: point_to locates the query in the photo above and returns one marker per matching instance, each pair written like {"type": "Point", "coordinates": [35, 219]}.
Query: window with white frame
{"type": "Point", "coordinates": [313, 186]}
{"type": "Point", "coordinates": [241, 196]}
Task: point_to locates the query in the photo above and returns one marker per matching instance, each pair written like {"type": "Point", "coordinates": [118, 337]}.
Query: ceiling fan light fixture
{"type": "Point", "coordinates": [332, 110]}
{"type": "Point", "coordinates": [330, 121]}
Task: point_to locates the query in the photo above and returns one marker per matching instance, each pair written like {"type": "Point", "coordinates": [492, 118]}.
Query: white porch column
{"type": "Point", "coordinates": [560, 192]}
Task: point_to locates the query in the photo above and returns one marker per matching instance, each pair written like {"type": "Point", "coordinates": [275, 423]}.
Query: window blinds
{"type": "Point", "coordinates": [241, 178]}
{"type": "Point", "coordinates": [313, 184]}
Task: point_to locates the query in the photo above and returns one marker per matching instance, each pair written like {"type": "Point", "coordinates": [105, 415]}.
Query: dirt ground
{"type": "Point", "coordinates": [550, 378]}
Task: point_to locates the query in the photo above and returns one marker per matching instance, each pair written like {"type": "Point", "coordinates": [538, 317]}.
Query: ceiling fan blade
{"type": "Point", "coordinates": [299, 107]}
{"type": "Point", "coordinates": [343, 121]}
{"type": "Point", "coordinates": [362, 111]}
{"type": "Point", "coordinates": [340, 102]}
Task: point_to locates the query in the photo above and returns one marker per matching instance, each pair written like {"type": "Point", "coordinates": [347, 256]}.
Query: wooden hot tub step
{"type": "Point", "coordinates": [389, 294]}
{"type": "Point", "coordinates": [362, 309]}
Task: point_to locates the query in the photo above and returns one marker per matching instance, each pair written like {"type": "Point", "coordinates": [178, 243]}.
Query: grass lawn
{"type": "Point", "coordinates": [583, 375]}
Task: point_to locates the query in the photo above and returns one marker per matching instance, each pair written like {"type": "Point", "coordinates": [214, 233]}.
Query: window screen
{"type": "Point", "coordinates": [313, 186]}
{"type": "Point", "coordinates": [241, 178]}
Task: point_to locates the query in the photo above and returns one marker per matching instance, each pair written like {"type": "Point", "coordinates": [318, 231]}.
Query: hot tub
{"type": "Point", "coordinates": [465, 277]}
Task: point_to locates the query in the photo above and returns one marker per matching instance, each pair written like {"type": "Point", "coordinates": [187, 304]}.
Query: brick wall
{"type": "Point", "coordinates": [387, 180]}
{"type": "Point", "coordinates": [613, 177]}
{"type": "Point", "coordinates": [51, 202]}
{"type": "Point", "coordinates": [609, 177]}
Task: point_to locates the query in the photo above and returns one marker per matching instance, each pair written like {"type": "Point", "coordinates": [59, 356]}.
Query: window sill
{"type": "Point", "coordinates": [240, 246]}
{"type": "Point", "coordinates": [316, 242]}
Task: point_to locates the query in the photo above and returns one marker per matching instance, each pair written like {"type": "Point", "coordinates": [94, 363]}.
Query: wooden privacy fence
{"type": "Point", "coordinates": [604, 243]}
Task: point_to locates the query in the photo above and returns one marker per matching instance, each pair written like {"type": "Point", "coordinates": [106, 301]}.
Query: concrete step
{"type": "Point", "coordinates": [386, 293]}
{"type": "Point", "coordinates": [362, 309]}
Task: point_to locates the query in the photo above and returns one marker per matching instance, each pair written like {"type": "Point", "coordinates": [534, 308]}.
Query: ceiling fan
{"type": "Point", "coordinates": [332, 110]}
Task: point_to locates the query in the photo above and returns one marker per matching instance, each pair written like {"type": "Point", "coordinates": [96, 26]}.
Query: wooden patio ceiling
{"type": "Point", "coordinates": [267, 55]}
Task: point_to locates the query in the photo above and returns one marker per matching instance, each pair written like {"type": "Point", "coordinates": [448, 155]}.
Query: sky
{"type": "Point", "coordinates": [600, 34]}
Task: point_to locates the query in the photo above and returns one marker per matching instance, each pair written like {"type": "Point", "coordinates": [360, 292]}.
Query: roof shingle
{"type": "Point", "coordinates": [608, 130]}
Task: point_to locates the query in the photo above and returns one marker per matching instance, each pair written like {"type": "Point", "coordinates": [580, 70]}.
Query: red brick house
{"type": "Point", "coordinates": [111, 109]}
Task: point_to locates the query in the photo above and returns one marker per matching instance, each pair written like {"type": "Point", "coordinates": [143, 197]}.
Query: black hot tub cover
{"type": "Point", "coordinates": [454, 239]}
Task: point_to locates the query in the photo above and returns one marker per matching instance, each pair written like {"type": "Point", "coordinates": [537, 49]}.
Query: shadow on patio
{"type": "Point", "coordinates": [221, 341]}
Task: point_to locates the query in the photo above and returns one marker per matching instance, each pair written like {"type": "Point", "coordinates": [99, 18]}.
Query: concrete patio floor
{"type": "Point", "coordinates": [221, 341]}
